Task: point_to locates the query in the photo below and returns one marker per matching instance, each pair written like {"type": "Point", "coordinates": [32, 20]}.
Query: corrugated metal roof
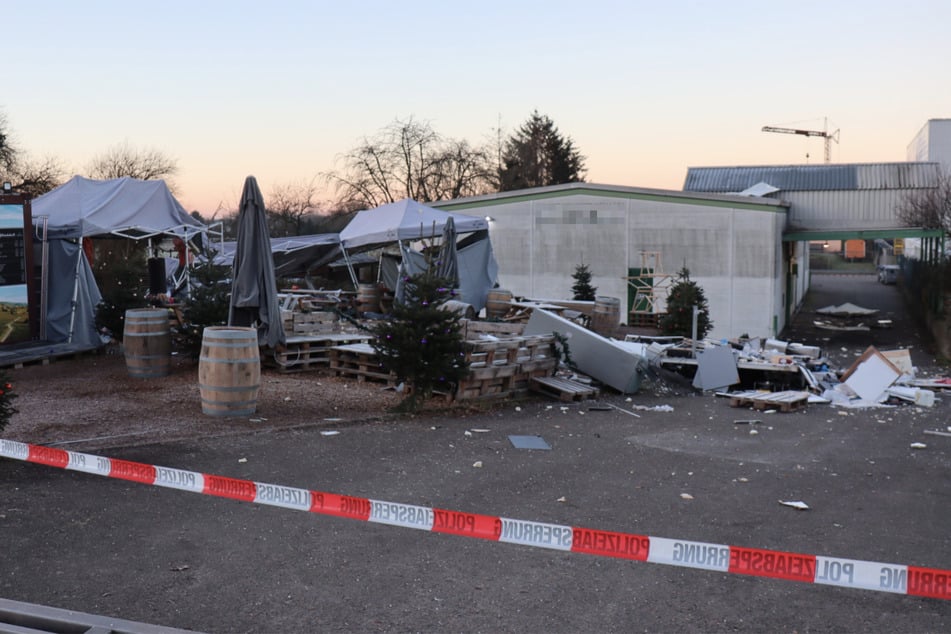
{"type": "Point", "coordinates": [813, 177]}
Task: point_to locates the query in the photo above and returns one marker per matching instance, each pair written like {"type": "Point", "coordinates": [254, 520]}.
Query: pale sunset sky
{"type": "Point", "coordinates": [281, 89]}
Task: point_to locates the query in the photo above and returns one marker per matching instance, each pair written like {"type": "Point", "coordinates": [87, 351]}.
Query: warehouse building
{"type": "Point", "coordinates": [631, 237]}
{"type": "Point", "coordinates": [742, 232]}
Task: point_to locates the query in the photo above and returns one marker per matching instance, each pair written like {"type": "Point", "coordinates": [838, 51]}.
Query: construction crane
{"type": "Point", "coordinates": [824, 133]}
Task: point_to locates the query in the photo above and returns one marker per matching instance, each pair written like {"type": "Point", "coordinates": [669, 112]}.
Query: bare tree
{"type": "Point", "coordinates": [28, 176]}
{"type": "Point", "coordinates": [34, 177]}
{"type": "Point", "coordinates": [290, 205]}
{"type": "Point", "coordinates": [408, 159]}
{"type": "Point", "coordinates": [126, 160]}
{"type": "Point", "coordinates": [929, 208]}
{"type": "Point", "coordinates": [8, 152]}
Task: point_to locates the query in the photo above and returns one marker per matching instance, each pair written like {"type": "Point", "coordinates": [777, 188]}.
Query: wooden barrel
{"type": "Point", "coordinates": [229, 371]}
{"type": "Point", "coordinates": [606, 316]}
{"type": "Point", "coordinates": [147, 343]}
{"type": "Point", "coordinates": [368, 298]}
{"type": "Point", "coordinates": [497, 303]}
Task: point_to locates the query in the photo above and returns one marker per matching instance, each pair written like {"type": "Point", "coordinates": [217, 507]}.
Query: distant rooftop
{"type": "Point", "coordinates": [850, 176]}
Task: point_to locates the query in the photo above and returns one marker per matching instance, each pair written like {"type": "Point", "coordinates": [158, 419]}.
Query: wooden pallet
{"type": "Point", "coordinates": [359, 361]}
{"type": "Point", "coordinates": [563, 389]}
{"type": "Point", "coordinates": [310, 352]}
{"type": "Point", "coordinates": [786, 401]}
{"type": "Point", "coordinates": [483, 389]}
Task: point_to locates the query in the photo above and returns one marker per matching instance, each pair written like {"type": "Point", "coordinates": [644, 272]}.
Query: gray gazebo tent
{"type": "Point", "coordinates": [84, 208]}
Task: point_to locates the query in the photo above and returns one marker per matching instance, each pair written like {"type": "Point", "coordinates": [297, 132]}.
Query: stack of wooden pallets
{"type": "Point", "coordinates": [310, 352]}
{"type": "Point", "coordinates": [503, 366]}
{"type": "Point", "coordinates": [359, 361]}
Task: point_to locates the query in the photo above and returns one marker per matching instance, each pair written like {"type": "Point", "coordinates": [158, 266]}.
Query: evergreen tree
{"type": "Point", "coordinates": [207, 304]}
{"type": "Point", "coordinates": [582, 289]}
{"type": "Point", "coordinates": [683, 296]}
{"type": "Point", "coordinates": [421, 344]}
{"type": "Point", "coordinates": [537, 155]}
{"type": "Point", "coordinates": [121, 276]}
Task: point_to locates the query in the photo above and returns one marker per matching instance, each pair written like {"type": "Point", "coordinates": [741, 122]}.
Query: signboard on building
{"type": "Point", "coordinates": [15, 270]}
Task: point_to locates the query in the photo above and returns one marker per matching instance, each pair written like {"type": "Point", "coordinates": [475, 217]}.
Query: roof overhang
{"type": "Point", "coordinates": [861, 234]}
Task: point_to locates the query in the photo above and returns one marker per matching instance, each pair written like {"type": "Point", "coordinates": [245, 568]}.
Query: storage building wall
{"type": "Point", "coordinates": [731, 247]}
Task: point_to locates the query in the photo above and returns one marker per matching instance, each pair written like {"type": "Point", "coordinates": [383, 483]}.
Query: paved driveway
{"type": "Point", "coordinates": [79, 541]}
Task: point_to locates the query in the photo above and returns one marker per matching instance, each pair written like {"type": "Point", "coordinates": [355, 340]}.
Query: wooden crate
{"type": "Point", "coordinates": [318, 322]}
{"type": "Point", "coordinates": [641, 319]}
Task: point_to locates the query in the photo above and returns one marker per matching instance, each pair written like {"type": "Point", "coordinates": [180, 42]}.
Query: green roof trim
{"type": "Point", "coordinates": [862, 234]}
{"type": "Point", "coordinates": [505, 198]}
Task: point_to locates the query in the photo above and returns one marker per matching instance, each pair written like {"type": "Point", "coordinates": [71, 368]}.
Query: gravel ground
{"type": "Point", "coordinates": [92, 402]}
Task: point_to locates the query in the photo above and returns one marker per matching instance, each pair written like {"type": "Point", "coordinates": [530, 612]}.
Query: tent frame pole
{"type": "Point", "coordinates": [72, 311]}
{"type": "Point", "coordinates": [353, 275]}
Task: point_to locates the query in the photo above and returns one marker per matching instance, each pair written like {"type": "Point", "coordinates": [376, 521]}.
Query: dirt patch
{"type": "Point", "coordinates": [91, 402]}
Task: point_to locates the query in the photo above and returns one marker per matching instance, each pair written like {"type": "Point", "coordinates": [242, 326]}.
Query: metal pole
{"type": "Point", "coordinates": [693, 332]}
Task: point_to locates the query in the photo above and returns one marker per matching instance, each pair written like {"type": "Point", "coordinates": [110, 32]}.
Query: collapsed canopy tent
{"type": "Point", "coordinates": [409, 221]}
{"type": "Point", "coordinates": [123, 207]}
{"type": "Point", "coordinates": [404, 220]}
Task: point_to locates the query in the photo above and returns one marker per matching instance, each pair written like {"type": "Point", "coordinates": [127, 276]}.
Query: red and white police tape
{"type": "Point", "coordinates": [834, 571]}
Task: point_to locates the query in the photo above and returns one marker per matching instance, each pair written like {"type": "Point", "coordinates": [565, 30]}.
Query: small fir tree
{"type": "Point", "coordinates": [207, 303]}
{"type": "Point", "coordinates": [683, 296]}
{"type": "Point", "coordinates": [127, 288]}
{"type": "Point", "coordinates": [582, 289]}
{"type": "Point", "coordinates": [422, 344]}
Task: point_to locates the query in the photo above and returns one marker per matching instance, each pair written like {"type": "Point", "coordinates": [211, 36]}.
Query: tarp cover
{"type": "Point", "coordinates": [123, 206]}
{"type": "Point", "coordinates": [477, 270]}
{"type": "Point", "coordinates": [72, 297]}
{"type": "Point", "coordinates": [403, 220]}
{"type": "Point", "coordinates": [292, 255]}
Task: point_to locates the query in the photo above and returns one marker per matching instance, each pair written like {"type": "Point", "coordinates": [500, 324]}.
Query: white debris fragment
{"type": "Point", "coordinates": [468, 433]}
{"type": "Point", "coordinates": [330, 432]}
{"type": "Point", "coordinates": [686, 496]}
{"type": "Point", "coordinates": [477, 464]}
{"type": "Point", "coordinates": [753, 432]}
{"type": "Point", "coordinates": [797, 504]}
{"type": "Point", "coordinates": [918, 445]}
{"type": "Point", "coordinates": [518, 409]}
{"type": "Point", "coordinates": [479, 431]}
{"type": "Point", "coordinates": [242, 459]}
{"type": "Point", "coordinates": [562, 499]}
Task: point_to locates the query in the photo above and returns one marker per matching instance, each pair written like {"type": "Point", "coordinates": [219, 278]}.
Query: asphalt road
{"type": "Point", "coordinates": [83, 542]}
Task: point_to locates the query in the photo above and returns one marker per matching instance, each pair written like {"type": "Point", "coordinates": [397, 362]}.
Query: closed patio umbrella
{"type": "Point", "coordinates": [253, 287]}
